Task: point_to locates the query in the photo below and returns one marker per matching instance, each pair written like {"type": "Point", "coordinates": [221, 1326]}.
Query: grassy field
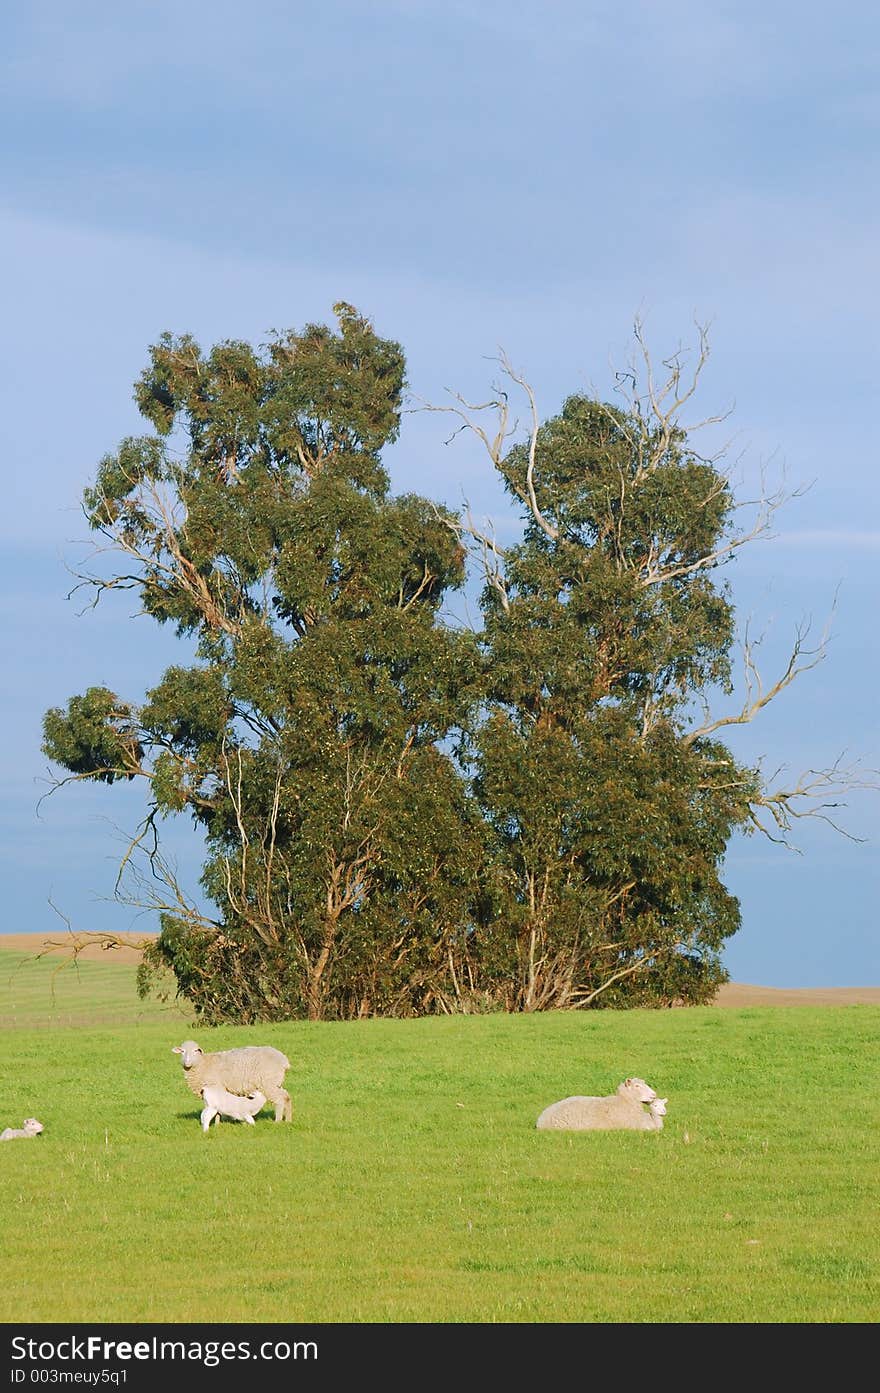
{"type": "Point", "coordinates": [53, 991]}
{"type": "Point", "coordinates": [413, 1186]}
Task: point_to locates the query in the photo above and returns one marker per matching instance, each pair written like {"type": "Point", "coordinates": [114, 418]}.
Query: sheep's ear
{"type": "Point", "coordinates": [175, 1049]}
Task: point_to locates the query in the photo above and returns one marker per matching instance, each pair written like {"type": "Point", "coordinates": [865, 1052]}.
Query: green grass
{"type": "Point", "coordinates": [413, 1186]}
{"type": "Point", "coordinates": [53, 991]}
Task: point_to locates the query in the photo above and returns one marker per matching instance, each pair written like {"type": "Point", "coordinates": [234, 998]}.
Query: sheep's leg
{"type": "Point", "coordinates": [249, 1120]}
{"type": "Point", "coordinates": [283, 1106]}
{"type": "Point", "coordinates": [207, 1114]}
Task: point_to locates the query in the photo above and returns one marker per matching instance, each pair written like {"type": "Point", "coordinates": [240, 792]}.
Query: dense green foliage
{"type": "Point", "coordinates": [402, 816]}
{"type": "Point", "coordinates": [412, 1184]}
{"type": "Point", "coordinates": [611, 825]}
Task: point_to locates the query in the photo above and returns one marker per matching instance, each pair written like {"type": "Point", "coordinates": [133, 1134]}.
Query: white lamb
{"type": "Point", "coordinates": [220, 1102]}
{"type": "Point", "coordinates": [582, 1113]}
{"type": "Point", "coordinates": [652, 1120]}
{"type": "Point", "coordinates": [242, 1071]}
{"type": "Point", "coordinates": [29, 1128]}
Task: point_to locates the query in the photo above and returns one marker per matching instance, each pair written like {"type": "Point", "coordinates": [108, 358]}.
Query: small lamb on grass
{"type": "Point", "coordinates": [620, 1110]}
{"type": "Point", "coordinates": [29, 1128]}
{"type": "Point", "coordinates": [220, 1102]}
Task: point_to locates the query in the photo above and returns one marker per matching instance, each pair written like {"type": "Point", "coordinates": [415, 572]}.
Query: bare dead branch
{"type": "Point", "coordinates": [519, 379]}
{"type": "Point", "coordinates": [658, 408]}
{"type": "Point", "coordinates": [483, 546]}
{"type": "Point", "coordinates": [801, 660]}
{"type": "Point", "coordinates": [817, 793]}
{"type": "Point", "coordinates": [75, 943]}
{"type": "Point", "coordinates": [160, 892]}
{"type": "Point", "coordinates": [495, 443]}
{"type": "Point", "coordinates": [122, 772]}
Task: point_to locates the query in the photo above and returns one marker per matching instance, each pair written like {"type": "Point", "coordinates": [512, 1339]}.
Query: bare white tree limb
{"type": "Point", "coordinates": [817, 793]}
{"type": "Point", "coordinates": [483, 545]}
{"type": "Point", "coordinates": [656, 408]}
{"type": "Point", "coordinates": [801, 659]}
{"type": "Point", "coordinates": [496, 442]}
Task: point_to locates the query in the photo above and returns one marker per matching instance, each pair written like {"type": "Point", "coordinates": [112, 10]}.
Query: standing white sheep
{"type": "Point", "coordinates": [583, 1113]}
{"type": "Point", "coordinates": [218, 1100]}
{"type": "Point", "coordinates": [29, 1128]}
{"type": "Point", "coordinates": [241, 1071]}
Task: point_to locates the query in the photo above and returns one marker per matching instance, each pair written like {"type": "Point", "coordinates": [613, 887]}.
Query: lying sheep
{"type": "Point", "coordinates": [241, 1071]}
{"type": "Point", "coordinates": [219, 1101]}
{"type": "Point", "coordinates": [622, 1109]}
{"type": "Point", "coordinates": [29, 1128]}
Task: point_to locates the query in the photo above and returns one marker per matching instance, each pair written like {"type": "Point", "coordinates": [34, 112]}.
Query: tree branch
{"type": "Point", "coordinates": [816, 793]}
{"type": "Point", "coordinates": [483, 546]}
{"type": "Point", "coordinates": [802, 659]}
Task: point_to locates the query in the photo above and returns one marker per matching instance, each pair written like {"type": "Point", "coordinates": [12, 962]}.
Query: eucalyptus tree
{"type": "Point", "coordinates": [608, 632]}
{"type": "Point", "coordinates": [311, 737]}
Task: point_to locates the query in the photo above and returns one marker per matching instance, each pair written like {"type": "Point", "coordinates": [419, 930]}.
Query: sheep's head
{"type": "Point", "coordinates": [189, 1053]}
{"type": "Point", "coordinates": [637, 1090]}
{"type": "Point", "coordinates": [32, 1126]}
{"type": "Point", "coordinates": [658, 1106]}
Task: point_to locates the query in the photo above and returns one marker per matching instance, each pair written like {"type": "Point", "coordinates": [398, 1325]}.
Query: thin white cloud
{"type": "Point", "coordinates": [829, 537]}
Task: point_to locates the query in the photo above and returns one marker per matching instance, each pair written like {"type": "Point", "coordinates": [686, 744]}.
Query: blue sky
{"type": "Point", "coordinates": [472, 176]}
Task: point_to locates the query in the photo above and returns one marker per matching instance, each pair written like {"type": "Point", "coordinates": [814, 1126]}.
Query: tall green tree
{"type": "Point", "coordinates": [310, 738]}
{"type": "Point", "coordinates": [611, 804]}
